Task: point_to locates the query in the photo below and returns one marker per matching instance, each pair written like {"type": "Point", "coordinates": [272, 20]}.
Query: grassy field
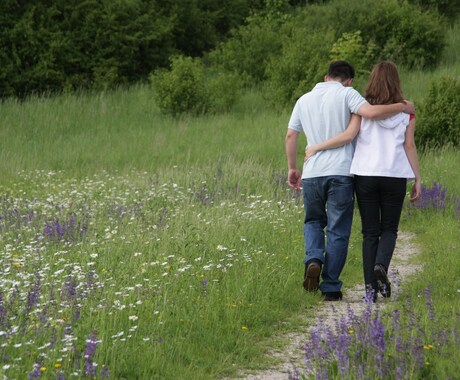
{"type": "Point", "coordinates": [138, 246]}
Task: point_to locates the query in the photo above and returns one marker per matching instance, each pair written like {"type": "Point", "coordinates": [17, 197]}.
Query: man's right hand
{"type": "Point", "coordinates": [409, 107]}
{"type": "Point", "coordinates": [295, 179]}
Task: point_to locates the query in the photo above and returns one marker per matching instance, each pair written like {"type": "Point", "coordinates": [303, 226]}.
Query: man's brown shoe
{"type": "Point", "coordinates": [311, 276]}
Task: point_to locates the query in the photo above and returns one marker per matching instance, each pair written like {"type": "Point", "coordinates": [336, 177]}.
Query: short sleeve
{"type": "Point", "coordinates": [355, 100]}
{"type": "Point", "coordinates": [294, 122]}
{"type": "Point", "coordinates": [412, 116]}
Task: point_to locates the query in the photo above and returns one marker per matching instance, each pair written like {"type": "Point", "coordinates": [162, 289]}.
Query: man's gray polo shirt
{"type": "Point", "coordinates": [322, 113]}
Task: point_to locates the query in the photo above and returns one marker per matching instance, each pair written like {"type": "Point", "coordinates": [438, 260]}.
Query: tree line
{"type": "Point", "coordinates": [51, 46]}
{"type": "Point", "coordinates": [55, 45]}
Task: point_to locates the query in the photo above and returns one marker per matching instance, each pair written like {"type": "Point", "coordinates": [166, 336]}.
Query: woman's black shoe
{"type": "Point", "coordinates": [382, 279]}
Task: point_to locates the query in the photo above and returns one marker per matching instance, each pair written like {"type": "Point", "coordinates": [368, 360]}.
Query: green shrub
{"type": "Point", "coordinates": [302, 63]}
{"type": "Point", "coordinates": [188, 87]}
{"type": "Point", "coordinates": [439, 121]}
{"type": "Point", "coordinates": [351, 47]}
{"type": "Point", "coordinates": [448, 8]}
{"type": "Point", "coordinates": [249, 49]}
{"type": "Point", "coordinates": [181, 89]}
{"type": "Point", "coordinates": [400, 31]}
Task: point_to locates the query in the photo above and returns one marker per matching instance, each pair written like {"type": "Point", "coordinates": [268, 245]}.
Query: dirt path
{"type": "Point", "coordinates": [292, 355]}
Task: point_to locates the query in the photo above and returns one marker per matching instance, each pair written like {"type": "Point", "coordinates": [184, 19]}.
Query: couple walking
{"type": "Point", "coordinates": [375, 166]}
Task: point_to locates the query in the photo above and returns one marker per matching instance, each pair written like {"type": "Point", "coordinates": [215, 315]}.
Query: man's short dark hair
{"type": "Point", "coordinates": [341, 69]}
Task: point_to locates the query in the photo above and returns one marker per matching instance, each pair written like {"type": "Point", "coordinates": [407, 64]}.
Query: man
{"type": "Point", "coordinates": [327, 184]}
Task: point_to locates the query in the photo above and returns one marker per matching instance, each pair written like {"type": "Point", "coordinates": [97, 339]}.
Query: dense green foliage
{"type": "Point", "coordinates": [249, 49]}
{"type": "Point", "coordinates": [289, 51]}
{"type": "Point", "coordinates": [64, 45]}
{"type": "Point", "coordinates": [48, 46]}
{"type": "Point", "coordinates": [304, 63]}
{"type": "Point", "coordinates": [448, 8]}
{"type": "Point", "coordinates": [367, 33]}
{"type": "Point", "coordinates": [440, 114]}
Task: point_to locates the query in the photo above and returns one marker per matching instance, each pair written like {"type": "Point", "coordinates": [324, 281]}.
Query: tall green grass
{"type": "Point", "coordinates": [416, 83]}
{"type": "Point", "coordinates": [192, 236]}
{"type": "Point", "coordinates": [123, 130]}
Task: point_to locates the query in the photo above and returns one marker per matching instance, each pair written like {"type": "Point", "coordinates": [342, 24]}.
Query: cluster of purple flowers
{"type": "Point", "coordinates": [374, 346]}
{"type": "Point", "coordinates": [434, 197]}
{"type": "Point", "coordinates": [89, 366]}
{"type": "Point", "coordinates": [67, 230]}
{"type": "Point", "coordinates": [35, 316]}
{"type": "Point", "coordinates": [12, 217]}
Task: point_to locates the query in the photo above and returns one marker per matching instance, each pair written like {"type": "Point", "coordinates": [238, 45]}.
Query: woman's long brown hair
{"type": "Point", "coordinates": [384, 86]}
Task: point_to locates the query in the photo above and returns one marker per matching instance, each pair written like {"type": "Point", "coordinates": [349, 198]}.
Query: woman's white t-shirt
{"type": "Point", "coordinates": [380, 148]}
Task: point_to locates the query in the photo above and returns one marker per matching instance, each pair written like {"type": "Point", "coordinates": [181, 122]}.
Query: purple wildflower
{"type": "Point", "coordinates": [90, 279]}
{"type": "Point", "coordinates": [64, 230]}
{"type": "Point", "coordinates": [3, 316]}
{"type": "Point", "coordinates": [59, 229]}
{"type": "Point", "coordinates": [70, 289]}
{"type": "Point", "coordinates": [49, 231]}
{"type": "Point", "coordinates": [351, 316]}
{"type": "Point", "coordinates": [91, 345]}
{"type": "Point", "coordinates": [295, 375]}
{"type": "Point", "coordinates": [34, 294]}
{"type": "Point", "coordinates": [343, 343]}
{"type": "Point", "coordinates": [429, 303]}
{"type": "Point", "coordinates": [35, 373]}
{"type": "Point", "coordinates": [204, 287]}
{"type": "Point", "coordinates": [377, 336]}
{"type": "Point", "coordinates": [434, 197]}
{"type": "Point", "coordinates": [417, 352]}
{"type": "Point", "coordinates": [105, 372]}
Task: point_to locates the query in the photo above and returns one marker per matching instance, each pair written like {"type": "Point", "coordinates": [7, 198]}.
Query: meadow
{"type": "Point", "coordinates": [140, 246]}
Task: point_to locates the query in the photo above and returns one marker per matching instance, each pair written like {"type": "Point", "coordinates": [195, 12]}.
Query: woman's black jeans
{"type": "Point", "coordinates": [380, 201]}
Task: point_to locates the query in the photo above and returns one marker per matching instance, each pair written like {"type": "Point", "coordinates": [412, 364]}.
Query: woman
{"type": "Point", "coordinates": [385, 157]}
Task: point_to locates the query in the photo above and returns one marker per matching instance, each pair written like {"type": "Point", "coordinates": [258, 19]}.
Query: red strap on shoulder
{"type": "Point", "coordinates": [412, 116]}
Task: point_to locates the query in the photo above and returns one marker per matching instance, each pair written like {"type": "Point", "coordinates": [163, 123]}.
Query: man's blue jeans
{"type": "Point", "coordinates": [328, 203]}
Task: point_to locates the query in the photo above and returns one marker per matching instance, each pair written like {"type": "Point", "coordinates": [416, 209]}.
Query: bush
{"type": "Point", "coordinates": [368, 32]}
{"type": "Point", "coordinates": [350, 47]}
{"type": "Point", "coordinates": [181, 89]}
{"type": "Point", "coordinates": [400, 31]}
{"type": "Point", "coordinates": [448, 8]}
{"type": "Point", "coordinates": [249, 50]}
{"type": "Point", "coordinates": [302, 63]}
{"type": "Point", "coordinates": [439, 121]}
{"type": "Point", "coordinates": [188, 87]}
